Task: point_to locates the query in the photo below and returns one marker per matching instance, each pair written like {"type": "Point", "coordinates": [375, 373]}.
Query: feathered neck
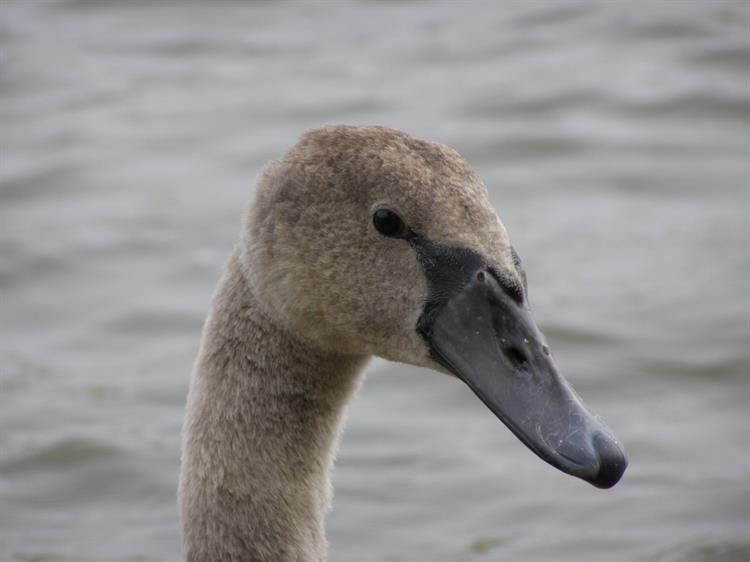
{"type": "Point", "coordinates": [261, 428]}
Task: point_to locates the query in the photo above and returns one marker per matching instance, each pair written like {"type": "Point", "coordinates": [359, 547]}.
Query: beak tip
{"type": "Point", "coordinates": [612, 461]}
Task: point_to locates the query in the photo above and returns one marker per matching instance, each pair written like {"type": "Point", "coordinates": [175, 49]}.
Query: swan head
{"type": "Point", "coordinates": [368, 241]}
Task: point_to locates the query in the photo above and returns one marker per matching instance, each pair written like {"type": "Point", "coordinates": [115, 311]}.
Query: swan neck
{"type": "Point", "coordinates": [262, 425]}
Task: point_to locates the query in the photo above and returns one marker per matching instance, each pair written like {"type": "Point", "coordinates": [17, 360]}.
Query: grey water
{"type": "Point", "coordinates": [614, 139]}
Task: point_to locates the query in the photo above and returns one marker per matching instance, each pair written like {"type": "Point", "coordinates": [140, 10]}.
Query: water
{"type": "Point", "coordinates": [615, 142]}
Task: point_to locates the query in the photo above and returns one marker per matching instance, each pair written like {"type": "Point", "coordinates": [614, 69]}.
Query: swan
{"type": "Point", "coordinates": [360, 242]}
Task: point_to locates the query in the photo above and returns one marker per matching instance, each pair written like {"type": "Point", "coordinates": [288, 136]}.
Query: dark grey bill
{"type": "Point", "coordinates": [489, 340]}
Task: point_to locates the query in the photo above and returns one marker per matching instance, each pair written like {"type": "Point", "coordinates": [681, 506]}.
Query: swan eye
{"type": "Point", "coordinates": [389, 223]}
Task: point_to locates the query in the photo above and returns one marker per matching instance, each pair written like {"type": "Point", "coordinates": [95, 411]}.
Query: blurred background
{"type": "Point", "coordinates": [615, 141]}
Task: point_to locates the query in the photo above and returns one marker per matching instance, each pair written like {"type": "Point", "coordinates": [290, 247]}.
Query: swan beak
{"type": "Point", "coordinates": [488, 340]}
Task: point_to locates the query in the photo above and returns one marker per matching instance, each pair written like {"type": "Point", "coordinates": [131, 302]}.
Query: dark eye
{"type": "Point", "coordinates": [389, 223]}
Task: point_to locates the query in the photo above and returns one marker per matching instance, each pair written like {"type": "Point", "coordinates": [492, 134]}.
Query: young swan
{"type": "Point", "coordinates": [361, 241]}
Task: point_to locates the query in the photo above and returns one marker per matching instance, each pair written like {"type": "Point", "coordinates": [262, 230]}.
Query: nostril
{"type": "Point", "coordinates": [480, 276]}
{"type": "Point", "coordinates": [516, 356]}
{"type": "Point", "coordinates": [545, 350]}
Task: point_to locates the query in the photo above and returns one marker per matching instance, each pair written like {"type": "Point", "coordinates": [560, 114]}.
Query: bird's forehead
{"type": "Point", "coordinates": [429, 184]}
{"type": "Point", "coordinates": [446, 202]}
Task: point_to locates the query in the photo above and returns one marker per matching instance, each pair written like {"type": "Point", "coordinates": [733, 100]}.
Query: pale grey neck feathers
{"type": "Point", "coordinates": [262, 424]}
